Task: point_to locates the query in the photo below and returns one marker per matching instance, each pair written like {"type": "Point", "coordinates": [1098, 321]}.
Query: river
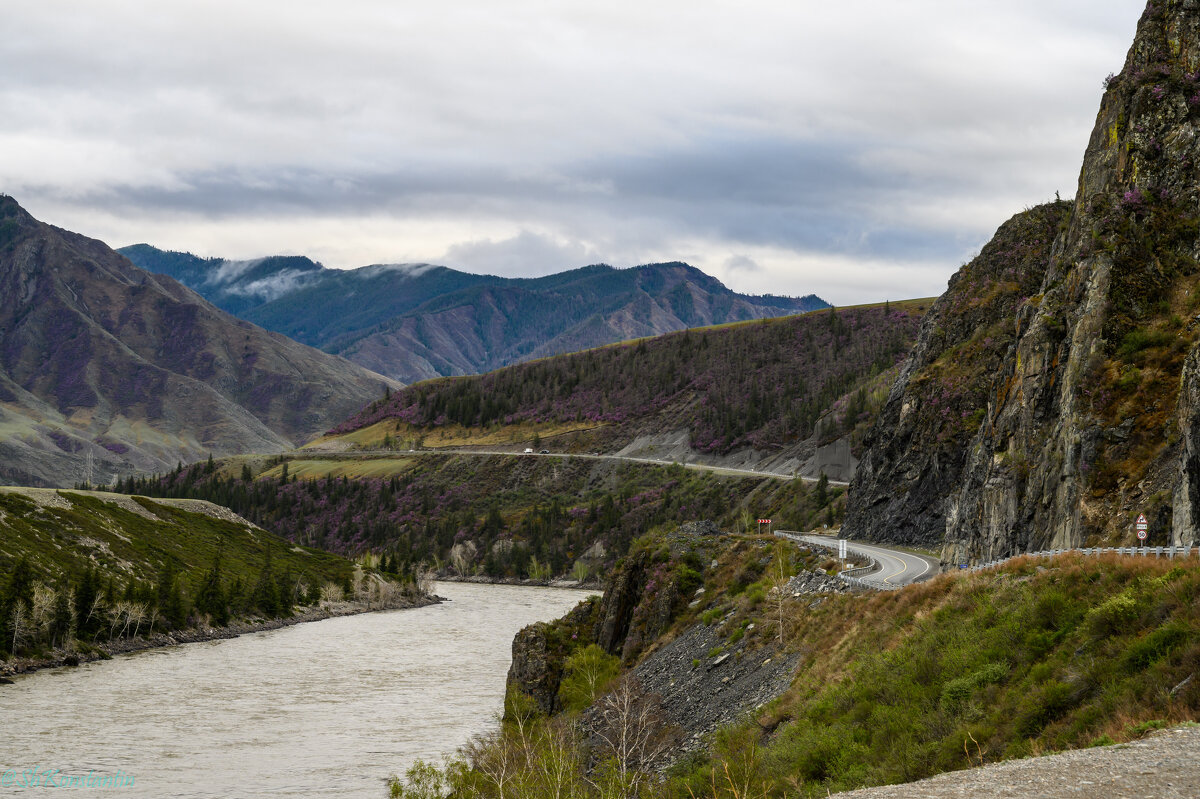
{"type": "Point", "coordinates": [328, 708]}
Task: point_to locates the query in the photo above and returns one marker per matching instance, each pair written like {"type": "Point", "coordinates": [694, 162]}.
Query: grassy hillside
{"type": "Point", "coordinates": [508, 516]}
{"type": "Point", "coordinates": [763, 384]}
{"type": "Point", "coordinates": [61, 533]}
{"type": "Point", "coordinates": [977, 668]}
{"type": "Point", "coordinates": [1039, 655]}
{"type": "Point", "coordinates": [92, 567]}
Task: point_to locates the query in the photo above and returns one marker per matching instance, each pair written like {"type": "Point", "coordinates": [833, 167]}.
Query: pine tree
{"type": "Point", "coordinates": [211, 598]}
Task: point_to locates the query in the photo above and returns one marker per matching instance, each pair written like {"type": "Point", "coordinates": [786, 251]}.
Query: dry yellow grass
{"type": "Point", "coordinates": [405, 435]}
{"type": "Point", "coordinates": [365, 467]}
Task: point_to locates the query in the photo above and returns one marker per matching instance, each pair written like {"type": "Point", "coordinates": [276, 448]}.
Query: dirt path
{"type": "Point", "coordinates": [1165, 765]}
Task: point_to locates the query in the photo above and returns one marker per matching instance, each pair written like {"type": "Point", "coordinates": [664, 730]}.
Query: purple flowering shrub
{"type": "Point", "coordinates": [758, 384]}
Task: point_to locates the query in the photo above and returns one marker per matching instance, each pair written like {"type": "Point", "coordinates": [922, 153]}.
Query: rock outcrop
{"type": "Point", "coordinates": [1088, 414]}
{"type": "Point", "coordinates": [914, 455]}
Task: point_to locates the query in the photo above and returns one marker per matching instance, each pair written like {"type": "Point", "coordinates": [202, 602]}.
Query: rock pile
{"type": "Point", "coordinates": [815, 583]}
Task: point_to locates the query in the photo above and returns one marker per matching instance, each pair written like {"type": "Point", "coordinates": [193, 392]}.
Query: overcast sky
{"type": "Point", "coordinates": [861, 150]}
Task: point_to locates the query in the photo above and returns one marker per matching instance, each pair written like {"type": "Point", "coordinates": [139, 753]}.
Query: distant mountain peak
{"type": "Point", "coordinates": [107, 369]}
{"type": "Point", "coordinates": [416, 321]}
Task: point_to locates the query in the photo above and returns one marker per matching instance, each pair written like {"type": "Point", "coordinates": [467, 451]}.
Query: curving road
{"type": "Point", "coordinates": [896, 568]}
{"type": "Point", "coordinates": [315, 453]}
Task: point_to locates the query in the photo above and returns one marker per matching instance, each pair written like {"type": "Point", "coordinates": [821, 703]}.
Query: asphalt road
{"type": "Point", "coordinates": [704, 467]}
{"type": "Point", "coordinates": [896, 568]}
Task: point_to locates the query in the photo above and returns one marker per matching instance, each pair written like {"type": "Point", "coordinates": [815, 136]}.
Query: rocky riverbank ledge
{"type": "Point", "coordinates": [586, 585]}
{"type": "Point", "coordinates": [106, 650]}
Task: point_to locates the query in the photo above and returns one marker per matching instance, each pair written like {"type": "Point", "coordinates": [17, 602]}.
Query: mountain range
{"type": "Point", "coordinates": [418, 321]}
{"type": "Point", "coordinates": [107, 369]}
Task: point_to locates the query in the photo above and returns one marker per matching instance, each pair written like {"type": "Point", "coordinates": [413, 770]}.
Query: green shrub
{"type": "Point", "coordinates": [1043, 706]}
{"type": "Point", "coordinates": [688, 580]}
{"type": "Point", "coordinates": [587, 674]}
{"type": "Point", "coordinates": [1138, 730]}
{"type": "Point", "coordinates": [1114, 615]}
{"type": "Point", "coordinates": [1136, 341]}
{"type": "Point", "coordinates": [756, 594]}
{"type": "Point", "coordinates": [1154, 646]}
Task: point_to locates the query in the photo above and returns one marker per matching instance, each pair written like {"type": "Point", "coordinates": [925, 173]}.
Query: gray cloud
{"type": "Point", "coordinates": [890, 139]}
{"type": "Point", "coordinates": [524, 254]}
{"type": "Point", "coordinates": [740, 263]}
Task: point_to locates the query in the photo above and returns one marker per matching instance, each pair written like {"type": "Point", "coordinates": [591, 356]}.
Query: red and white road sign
{"type": "Point", "coordinates": [764, 521]}
{"type": "Point", "coordinates": [1142, 534]}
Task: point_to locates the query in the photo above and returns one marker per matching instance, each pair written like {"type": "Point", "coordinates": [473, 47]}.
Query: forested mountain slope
{"type": "Point", "coordinates": [764, 391]}
{"type": "Point", "coordinates": [418, 321]}
{"type": "Point", "coordinates": [504, 516]}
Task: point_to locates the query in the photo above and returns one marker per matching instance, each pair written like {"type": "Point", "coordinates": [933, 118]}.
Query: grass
{"type": "Point", "coordinates": [393, 434]}
{"type": "Point", "coordinates": [306, 469]}
{"type": "Point", "coordinates": [61, 533]}
{"type": "Point", "coordinates": [1030, 658]}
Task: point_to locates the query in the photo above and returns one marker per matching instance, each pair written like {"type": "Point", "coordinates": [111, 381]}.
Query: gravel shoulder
{"type": "Point", "coordinates": [1165, 765]}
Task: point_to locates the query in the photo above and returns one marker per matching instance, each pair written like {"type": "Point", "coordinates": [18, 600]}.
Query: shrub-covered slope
{"type": "Point", "coordinates": [1036, 656]}
{"type": "Point", "coordinates": [974, 668]}
{"type": "Point", "coordinates": [765, 386]}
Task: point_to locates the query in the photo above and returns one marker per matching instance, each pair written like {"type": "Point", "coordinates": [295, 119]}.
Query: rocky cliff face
{"type": "Point", "coordinates": [1090, 415]}
{"type": "Point", "coordinates": [101, 362]}
{"type": "Point", "coordinates": [914, 455]}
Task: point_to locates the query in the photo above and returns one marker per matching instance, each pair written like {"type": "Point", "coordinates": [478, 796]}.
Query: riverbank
{"type": "Point", "coordinates": [107, 650]}
{"type": "Point", "coordinates": [478, 579]}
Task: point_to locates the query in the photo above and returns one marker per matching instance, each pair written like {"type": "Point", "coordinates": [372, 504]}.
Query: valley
{"type": "Point", "coordinates": [622, 533]}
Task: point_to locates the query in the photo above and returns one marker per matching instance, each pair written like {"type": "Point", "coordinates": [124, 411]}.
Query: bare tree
{"type": "Point", "coordinates": [135, 613]}
{"type": "Point", "coordinates": [557, 765]}
{"type": "Point", "coordinates": [21, 626]}
{"type": "Point", "coordinates": [499, 761]}
{"type": "Point", "coordinates": [633, 733]}
{"type": "Point", "coordinates": [96, 608]}
{"type": "Point", "coordinates": [42, 611]}
{"type": "Point", "coordinates": [780, 589]}
{"type": "Point", "coordinates": [462, 555]}
{"type": "Point", "coordinates": [425, 581]}
{"type": "Point", "coordinates": [331, 592]}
